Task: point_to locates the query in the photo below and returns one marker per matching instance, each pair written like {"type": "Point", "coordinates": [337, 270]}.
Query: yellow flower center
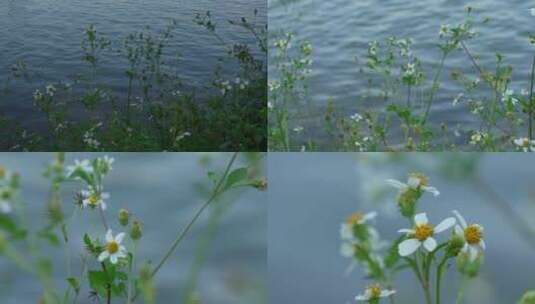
{"type": "Point", "coordinates": [473, 234]}
{"type": "Point", "coordinates": [93, 199]}
{"type": "Point", "coordinates": [112, 247]}
{"type": "Point", "coordinates": [374, 291]}
{"type": "Point", "coordinates": [424, 180]}
{"type": "Point", "coordinates": [355, 218]}
{"type": "Point", "coordinates": [423, 231]}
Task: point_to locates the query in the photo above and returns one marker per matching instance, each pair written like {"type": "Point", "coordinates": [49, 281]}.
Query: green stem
{"type": "Point", "coordinates": [434, 87]}
{"type": "Point", "coordinates": [530, 103]}
{"type": "Point", "coordinates": [185, 230]}
{"type": "Point", "coordinates": [440, 269]}
{"type": "Point", "coordinates": [460, 293]}
{"type": "Point", "coordinates": [129, 292]}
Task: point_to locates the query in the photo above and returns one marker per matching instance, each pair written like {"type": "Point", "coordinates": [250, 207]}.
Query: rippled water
{"type": "Point", "coordinates": [47, 35]}
{"type": "Point", "coordinates": [312, 193]}
{"type": "Point", "coordinates": [339, 30]}
{"type": "Point", "coordinates": [160, 189]}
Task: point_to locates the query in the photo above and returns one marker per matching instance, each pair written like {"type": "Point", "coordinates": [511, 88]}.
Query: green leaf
{"type": "Point", "coordinates": [236, 176]}
{"type": "Point", "coordinates": [392, 257]}
{"type": "Point", "coordinates": [98, 281]}
{"type": "Point", "coordinates": [74, 284]}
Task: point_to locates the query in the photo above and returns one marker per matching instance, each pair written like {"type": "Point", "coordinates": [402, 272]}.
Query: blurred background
{"type": "Point", "coordinates": [312, 194]}
{"type": "Point", "coordinates": [221, 260]}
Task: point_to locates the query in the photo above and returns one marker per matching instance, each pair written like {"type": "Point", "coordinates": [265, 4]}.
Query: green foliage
{"type": "Point", "coordinates": [159, 112]}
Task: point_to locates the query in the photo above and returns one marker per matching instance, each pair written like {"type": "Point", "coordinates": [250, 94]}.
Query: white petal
{"type": "Point", "coordinates": [431, 190]}
{"type": "Point", "coordinates": [346, 250]}
{"type": "Point", "coordinates": [408, 247]}
{"type": "Point", "coordinates": [104, 255]}
{"type": "Point", "coordinates": [346, 233]}
{"type": "Point", "coordinates": [109, 236]}
{"type": "Point", "coordinates": [420, 218]}
{"type": "Point", "coordinates": [460, 218]}
{"type": "Point", "coordinates": [113, 259]}
{"type": "Point", "coordinates": [396, 184]}
{"type": "Point", "coordinates": [472, 250]}
{"type": "Point", "coordinates": [445, 224]}
{"type": "Point", "coordinates": [103, 205]}
{"type": "Point", "coordinates": [459, 230]}
{"type": "Point", "coordinates": [369, 216]}
{"type": "Point", "coordinates": [430, 244]}
{"type": "Point", "coordinates": [105, 195]}
{"type": "Point", "coordinates": [408, 231]}
{"type": "Point", "coordinates": [5, 207]}
{"type": "Point", "coordinates": [361, 298]}
{"type": "Point", "coordinates": [119, 238]}
{"type": "Point", "coordinates": [387, 293]}
{"type": "Point", "coordinates": [413, 182]}
{"type": "Point", "coordinates": [482, 245]}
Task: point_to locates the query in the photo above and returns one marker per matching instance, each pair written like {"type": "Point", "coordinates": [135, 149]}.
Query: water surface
{"type": "Point", "coordinates": [340, 30]}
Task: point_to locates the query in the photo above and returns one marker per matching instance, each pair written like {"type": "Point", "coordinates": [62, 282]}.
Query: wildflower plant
{"type": "Point", "coordinates": [425, 248]}
{"type": "Point", "coordinates": [404, 91]}
{"type": "Point", "coordinates": [110, 269]}
{"type": "Point", "coordinates": [158, 109]}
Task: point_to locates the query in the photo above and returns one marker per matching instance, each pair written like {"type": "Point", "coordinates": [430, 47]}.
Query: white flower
{"type": "Point", "coordinates": [532, 11]}
{"type": "Point", "coordinates": [422, 234]}
{"type": "Point", "coordinates": [357, 218]}
{"type": "Point", "coordinates": [113, 248]}
{"type": "Point", "coordinates": [356, 117]}
{"type": "Point", "coordinates": [374, 292]}
{"type": "Point", "coordinates": [299, 129]}
{"type": "Point", "coordinates": [472, 234]}
{"type": "Point", "coordinates": [84, 165]}
{"type": "Point", "coordinates": [525, 144]}
{"type": "Point", "coordinates": [270, 105]}
{"type": "Point", "coordinates": [416, 181]}
{"type": "Point", "coordinates": [5, 200]}
{"type": "Point", "coordinates": [444, 29]}
{"type": "Point", "coordinates": [37, 95]}
{"type": "Point", "coordinates": [94, 199]}
{"type": "Point", "coordinates": [456, 100]}
{"type": "Point", "coordinates": [50, 90]}
{"type": "Point", "coordinates": [508, 96]}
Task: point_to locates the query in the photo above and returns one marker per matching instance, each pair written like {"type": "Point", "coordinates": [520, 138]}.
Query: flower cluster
{"type": "Point", "coordinates": [419, 248]}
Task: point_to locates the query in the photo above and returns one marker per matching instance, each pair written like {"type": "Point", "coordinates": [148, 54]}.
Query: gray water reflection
{"type": "Point", "coordinates": [311, 194]}
{"type": "Point", "coordinates": [159, 189]}
{"type": "Point", "coordinates": [47, 34]}
{"type": "Point", "coordinates": [339, 30]}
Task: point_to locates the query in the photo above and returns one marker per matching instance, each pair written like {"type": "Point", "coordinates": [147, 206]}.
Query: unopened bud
{"type": "Point", "coordinates": [124, 217]}
{"type": "Point", "coordinates": [136, 232]}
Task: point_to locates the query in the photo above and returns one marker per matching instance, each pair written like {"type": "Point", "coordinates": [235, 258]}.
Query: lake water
{"type": "Point", "coordinates": [47, 35]}
{"type": "Point", "coordinates": [312, 193]}
{"type": "Point", "coordinates": [161, 190]}
{"type": "Point", "coordinates": [339, 30]}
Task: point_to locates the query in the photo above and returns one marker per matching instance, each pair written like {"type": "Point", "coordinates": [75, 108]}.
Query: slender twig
{"type": "Point", "coordinates": [103, 217]}
{"type": "Point", "coordinates": [506, 210]}
{"type": "Point", "coordinates": [185, 230]}
{"type": "Point", "coordinates": [474, 62]}
{"type": "Point", "coordinates": [530, 103]}
{"type": "Point", "coordinates": [434, 87]}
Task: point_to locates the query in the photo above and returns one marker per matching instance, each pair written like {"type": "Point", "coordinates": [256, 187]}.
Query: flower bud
{"type": "Point", "coordinates": [136, 231]}
{"type": "Point", "coordinates": [455, 244]}
{"type": "Point", "coordinates": [3, 172]}
{"type": "Point", "coordinates": [469, 267]}
{"type": "Point", "coordinates": [407, 202]}
{"type": "Point", "coordinates": [55, 213]}
{"type": "Point", "coordinates": [260, 184]}
{"type": "Point", "coordinates": [124, 217]}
